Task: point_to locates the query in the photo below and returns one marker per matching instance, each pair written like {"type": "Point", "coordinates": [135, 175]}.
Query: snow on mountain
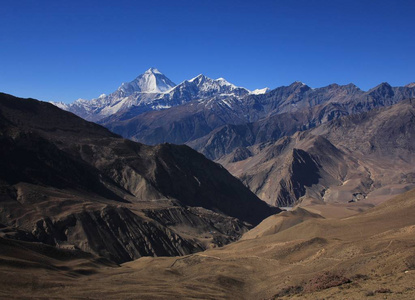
{"type": "Point", "coordinates": [152, 81]}
{"type": "Point", "coordinates": [207, 84]}
{"type": "Point", "coordinates": [201, 87]}
{"type": "Point", "coordinates": [152, 90]}
{"type": "Point", "coordinates": [61, 105]}
{"type": "Point", "coordinates": [260, 91]}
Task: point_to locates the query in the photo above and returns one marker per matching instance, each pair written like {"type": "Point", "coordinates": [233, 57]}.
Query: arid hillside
{"type": "Point", "coordinates": [367, 158]}
{"type": "Point", "coordinates": [293, 255]}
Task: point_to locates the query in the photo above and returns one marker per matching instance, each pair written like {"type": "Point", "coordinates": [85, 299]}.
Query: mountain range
{"type": "Point", "coordinates": [86, 213]}
{"type": "Point", "coordinates": [152, 91]}
{"type": "Point", "coordinates": [214, 116]}
{"type": "Point", "coordinates": [366, 156]}
{"type": "Point", "coordinates": [256, 136]}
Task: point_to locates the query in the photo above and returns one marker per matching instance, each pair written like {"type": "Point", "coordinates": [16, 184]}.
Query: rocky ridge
{"type": "Point", "coordinates": [366, 156]}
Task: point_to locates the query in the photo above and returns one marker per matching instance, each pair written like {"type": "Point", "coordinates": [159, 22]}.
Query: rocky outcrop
{"type": "Point", "coordinates": [115, 233]}
{"type": "Point", "coordinates": [121, 235]}
{"type": "Point", "coordinates": [213, 229]}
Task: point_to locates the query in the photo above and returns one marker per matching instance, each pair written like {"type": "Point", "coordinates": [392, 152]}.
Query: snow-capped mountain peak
{"type": "Point", "coordinates": [204, 80]}
{"type": "Point", "coordinates": [198, 79]}
{"type": "Point", "coordinates": [204, 84]}
{"type": "Point", "coordinates": [152, 81]}
{"type": "Point", "coordinates": [153, 71]}
{"type": "Point", "coordinates": [61, 105]}
{"type": "Point", "coordinates": [260, 91]}
{"type": "Point", "coordinates": [202, 87]}
{"type": "Point", "coordinates": [152, 90]}
{"type": "Point", "coordinates": [223, 81]}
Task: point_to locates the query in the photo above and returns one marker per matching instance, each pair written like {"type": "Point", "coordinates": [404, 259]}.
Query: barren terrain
{"type": "Point", "coordinates": [296, 255]}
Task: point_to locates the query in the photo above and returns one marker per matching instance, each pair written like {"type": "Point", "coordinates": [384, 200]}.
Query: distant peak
{"type": "Point", "coordinates": [260, 91]}
{"type": "Point", "coordinates": [410, 85]}
{"type": "Point", "coordinates": [152, 71]}
{"type": "Point", "coordinates": [384, 84]}
{"type": "Point", "coordinates": [383, 87]}
{"type": "Point", "coordinates": [223, 81]}
{"type": "Point", "coordinates": [351, 85]}
{"type": "Point", "coordinates": [199, 79]}
{"type": "Point", "coordinates": [297, 83]}
{"type": "Point", "coordinates": [200, 76]}
{"type": "Point", "coordinates": [151, 81]}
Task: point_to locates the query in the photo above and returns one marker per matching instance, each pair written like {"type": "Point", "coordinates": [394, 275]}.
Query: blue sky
{"type": "Point", "coordinates": [65, 50]}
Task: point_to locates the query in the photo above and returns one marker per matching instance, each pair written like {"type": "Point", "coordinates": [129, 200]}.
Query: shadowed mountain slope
{"type": "Point", "coordinates": [66, 181]}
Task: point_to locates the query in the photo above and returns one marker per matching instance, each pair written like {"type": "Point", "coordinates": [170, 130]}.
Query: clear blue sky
{"type": "Point", "coordinates": [64, 50]}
